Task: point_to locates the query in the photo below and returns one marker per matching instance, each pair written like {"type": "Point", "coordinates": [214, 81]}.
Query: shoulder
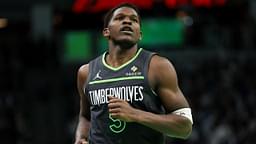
{"type": "Point", "coordinates": [83, 68]}
{"type": "Point", "coordinates": [83, 72]}
{"type": "Point", "coordinates": [162, 69]}
{"type": "Point", "coordinates": [161, 63]}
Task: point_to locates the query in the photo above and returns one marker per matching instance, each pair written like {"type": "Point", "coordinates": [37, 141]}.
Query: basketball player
{"type": "Point", "coordinates": [129, 95]}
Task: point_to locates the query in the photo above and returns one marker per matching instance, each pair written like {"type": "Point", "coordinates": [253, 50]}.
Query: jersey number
{"type": "Point", "coordinates": [116, 125]}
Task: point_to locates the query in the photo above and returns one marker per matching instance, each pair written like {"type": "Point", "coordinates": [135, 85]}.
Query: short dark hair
{"type": "Point", "coordinates": [109, 14]}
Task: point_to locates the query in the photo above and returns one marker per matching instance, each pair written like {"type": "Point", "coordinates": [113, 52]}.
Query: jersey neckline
{"type": "Point", "coordinates": [121, 66]}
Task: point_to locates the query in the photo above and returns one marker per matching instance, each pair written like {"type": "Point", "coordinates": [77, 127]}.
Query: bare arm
{"type": "Point", "coordinates": [84, 114]}
{"type": "Point", "coordinates": [163, 79]}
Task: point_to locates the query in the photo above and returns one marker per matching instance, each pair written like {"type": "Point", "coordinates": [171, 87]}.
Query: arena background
{"type": "Point", "coordinates": [210, 42]}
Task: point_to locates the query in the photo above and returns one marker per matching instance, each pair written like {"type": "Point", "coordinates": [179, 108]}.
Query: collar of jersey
{"type": "Point", "coordinates": [123, 65]}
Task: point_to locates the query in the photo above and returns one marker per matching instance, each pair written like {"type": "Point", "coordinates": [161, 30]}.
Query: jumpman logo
{"type": "Point", "coordinates": [97, 75]}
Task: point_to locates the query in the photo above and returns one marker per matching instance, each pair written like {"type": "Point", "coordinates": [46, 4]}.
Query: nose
{"type": "Point", "coordinates": [127, 20]}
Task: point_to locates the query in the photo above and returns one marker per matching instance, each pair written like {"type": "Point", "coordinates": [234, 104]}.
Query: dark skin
{"type": "Point", "coordinates": [162, 79]}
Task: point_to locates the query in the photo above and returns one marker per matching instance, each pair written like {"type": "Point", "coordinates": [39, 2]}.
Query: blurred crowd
{"type": "Point", "coordinates": [222, 93]}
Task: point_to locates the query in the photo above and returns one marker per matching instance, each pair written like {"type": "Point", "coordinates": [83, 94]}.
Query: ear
{"type": "Point", "coordinates": [105, 32]}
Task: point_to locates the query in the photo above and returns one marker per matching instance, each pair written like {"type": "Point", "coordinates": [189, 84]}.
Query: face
{"type": "Point", "coordinates": [124, 27]}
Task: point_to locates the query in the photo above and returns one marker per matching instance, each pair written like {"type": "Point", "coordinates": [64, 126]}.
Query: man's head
{"type": "Point", "coordinates": [109, 14]}
{"type": "Point", "coordinates": [122, 25]}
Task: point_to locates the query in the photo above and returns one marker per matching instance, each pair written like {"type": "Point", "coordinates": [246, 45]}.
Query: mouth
{"type": "Point", "coordinates": [126, 29]}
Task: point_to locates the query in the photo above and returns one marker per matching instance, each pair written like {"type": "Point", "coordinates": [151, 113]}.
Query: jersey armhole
{"type": "Point", "coordinates": [146, 70]}
{"type": "Point", "coordinates": [86, 83]}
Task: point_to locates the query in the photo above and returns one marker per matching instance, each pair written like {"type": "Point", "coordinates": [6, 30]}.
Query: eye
{"type": "Point", "coordinates": [119, 17]}
{"type": "Point", "coordinates": [135, 20]}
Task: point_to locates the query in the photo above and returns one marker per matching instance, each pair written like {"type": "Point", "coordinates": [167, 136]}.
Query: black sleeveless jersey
{"type": "Point", "coordinates": [130, 83]}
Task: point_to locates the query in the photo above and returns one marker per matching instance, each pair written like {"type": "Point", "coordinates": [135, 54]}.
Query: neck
{"type": "Point", "coordinates": [117, 55]}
